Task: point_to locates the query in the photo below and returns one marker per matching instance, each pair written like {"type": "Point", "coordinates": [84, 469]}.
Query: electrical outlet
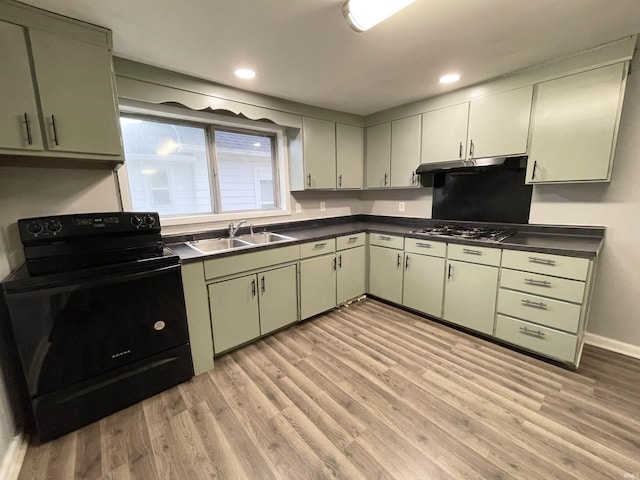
{"type": "Point", "coordinates": [298, 208]}
{"type": "Point", "coordinates": [322, 207]}
{"type": "Point", "coordinates": [401, 207]}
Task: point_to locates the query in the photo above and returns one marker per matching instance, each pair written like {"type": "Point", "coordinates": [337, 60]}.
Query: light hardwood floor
{"type": "Point", "coordinates": [369, 392]}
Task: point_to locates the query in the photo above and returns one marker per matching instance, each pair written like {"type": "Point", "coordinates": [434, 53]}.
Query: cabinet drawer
{"type": "Point", "coordinates": [350, 241]}
{"type": "Point", "coordinates": [473, 254]}
{"type": "Point", "coordinates": [389, 241]}
{"type": "Point", "coordinates": [556, 265]}
{"type": "Point", "coordinates": [232, 264]}
{"type": "Point", "coordinates": [545, 311]}
{"type": "Point", "coordinates": [545, 341]}
{"type": "Point", "coordinates": [425, 247]}
{"type": "Point", "coordinates": [320, 247]}
{"type": "Point", "coordinates": [561, 288]}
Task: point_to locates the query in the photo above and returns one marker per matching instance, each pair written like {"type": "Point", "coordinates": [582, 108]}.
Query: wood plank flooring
{"type": "Point", "coordinates": [369, 392]}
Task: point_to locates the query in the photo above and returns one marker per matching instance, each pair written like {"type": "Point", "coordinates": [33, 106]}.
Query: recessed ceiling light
{"type": "Point", "coordinates": [245, 73]}
{"type": "Point", "coordinates": [449, 78]}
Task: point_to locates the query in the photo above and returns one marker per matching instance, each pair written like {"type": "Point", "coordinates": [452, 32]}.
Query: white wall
{"type": "Point", "coordinates": [29, 192]}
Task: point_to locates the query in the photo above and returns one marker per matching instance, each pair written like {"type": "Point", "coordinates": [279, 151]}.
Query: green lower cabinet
{"type": "Point", "coordinates": [470, 295]}
{"type": "Point", "coordinates": [235, 317]}
{"type": "Point", "coordinates": [424, 283]}
{"type": "Point", "coordinates": [385, 273]}
{"type": "Point", "coordinates": [317, 285]}
{"type": "Point", "coordinates": [350, 274]}
{"type": "Point", "coordinates": [278, 298]}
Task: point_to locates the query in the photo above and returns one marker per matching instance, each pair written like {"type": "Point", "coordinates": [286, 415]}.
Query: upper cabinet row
{"type": "Point", "coordinates": [58, 97]}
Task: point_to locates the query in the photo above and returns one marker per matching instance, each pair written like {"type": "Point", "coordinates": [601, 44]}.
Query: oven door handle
{"type": "Point", "coordinates": [83, 283]}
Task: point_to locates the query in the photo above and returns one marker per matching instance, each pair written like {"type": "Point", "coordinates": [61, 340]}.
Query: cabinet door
{"type": "Point", "coordinates": [587, 107]}
{"type": "Point", "coordinates": [317, 285]}
{"type": "Point", "coordinates": [385, 273]}
{"type": "Point", "coordinates": [351, 274]}
{"type": "Point", "coordinates": [470, 295]}
{"type": "Point", "coordinates": [349, 156]}
{"type": "Point", "coordinates": [19, 113]}
{"type": "Point", "coordinates": [278, 298]}
{"type": "Point", "coordinates": [499, 124]}
{"type": "Point", "coordinates": [234, 312]}
{"type": "Point", "coordinates": [378, 156]}
{"type": "Point", "coordinates": [444, 134]}
{"type": "Point", "coordinates": [319, 150]}
{"type": "Point", "coordinates": [75, 85]}
{"type": "Point", "coordinates": [405, 151]}
{"type": "Point", "coordinates": [423, 283]}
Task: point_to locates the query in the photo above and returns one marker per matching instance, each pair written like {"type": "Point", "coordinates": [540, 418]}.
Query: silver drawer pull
{"type": "Point", "coordinates": [384, 237]}
{"type": "Point", "coordinates": [537, 283]}
{"type": "Point", "coordinates": [533, 333]}
{"type": "Point", "coordinates": [471, 252]}
{"type": "Point", "coordinates": [543, 261]}
{"type": "Point", "coordinates": [529, 303]}
{"type": "Point", "coordinates": [353, 239]}
{"type": "Point", "coordinates": [319, 245]}
{"type": "Point", "coordinates": [423, 245]}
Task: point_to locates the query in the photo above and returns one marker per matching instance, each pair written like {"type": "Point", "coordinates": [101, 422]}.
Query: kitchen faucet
{"type": "Point", "coordinates": [234, 229]}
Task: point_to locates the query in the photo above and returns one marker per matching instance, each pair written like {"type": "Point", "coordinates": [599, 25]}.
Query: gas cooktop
{"type": "Point", "coordinates": [473, 233]}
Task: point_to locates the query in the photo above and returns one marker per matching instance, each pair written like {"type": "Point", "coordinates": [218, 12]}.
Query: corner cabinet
{"type": "Point", "coordinates": [587, 105]}
{"type": "Point", "coordinates": [58, 95]}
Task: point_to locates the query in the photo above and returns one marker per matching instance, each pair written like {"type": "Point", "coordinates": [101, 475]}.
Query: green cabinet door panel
{"type": "Point", "coordinates": [234, 312]}
{"type": "Point", "coordinates": [385, 273]}
{"type": "Point", "coordinates": [444, 133]}
{"type": "Point", "coordinates": [378, 156]}
{"type": "Point", "coordinates": [424, 283]}
{"type": "Point", "coordinates": [349, 156]}
{"type": "Point", "coordinates": [470, 295]}
{"type": "Point", "coordinates": [278, 298]}
{"type": "Point", "coordinates": [405, 151]}
{"type": "Point", "coordinates": [351, 274]}
{"type": "Point", "coordinates": [319, 150]}
{"type": "Point", "coordinates": [317, 285]}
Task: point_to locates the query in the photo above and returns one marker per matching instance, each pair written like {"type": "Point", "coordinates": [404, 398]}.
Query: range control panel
{"type": "Point", "coordinates": [60, 227]}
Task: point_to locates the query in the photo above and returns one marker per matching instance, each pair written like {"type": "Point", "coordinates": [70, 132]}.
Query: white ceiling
{"type": "Point", "coordinates": [303, 50]}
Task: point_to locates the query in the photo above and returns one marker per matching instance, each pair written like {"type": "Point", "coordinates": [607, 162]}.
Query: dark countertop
{"type": "Point", "coordinates": [574, 241]}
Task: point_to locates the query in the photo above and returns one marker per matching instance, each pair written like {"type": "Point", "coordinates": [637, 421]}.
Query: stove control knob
{"type": "Point", "coordinates": [149, 220]}
{"type": "Point", "coordinates": [54, 227]}
{"type": "Point", "coordinates": [34, 228]}
{"type": "Point", "coordinates": [136, 221]}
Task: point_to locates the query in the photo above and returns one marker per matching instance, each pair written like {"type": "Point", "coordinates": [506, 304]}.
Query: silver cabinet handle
{"type": "Point", "coordinates": [471, 149]}
{"type": "Point", "coordinates": [406, 262]}
{"type": "Point", "coordinates": [309, 180]}
{"type": "Point", "coordinates": [537, 283]}
{"type": "Point", "coordinates": [55, 130]}
{"type": "Point", "coordinates": [450, 270]}
{"type": "Point", "coordinates": [460, 151]}
{"type": "Point", "coordinates": [340, 261]}
{"type": "Point", "coordinates": [384, 237]}
{"type": "Point", "coordinates": [533, 170]}
{"type": "Point", "coordinates": [533, 333]}
{"type": "Point", "coordinates": [399, 260]}
{"type": "Point", "coordinates": [529, 303]}
{"type": "Point", "coordinates": [353, 239]}
{"type": "Point", "coordinates": [543, 261]}
{"type": "Point", "coordinates": [385, 179]}
{"type": "Point", "coordinates": [320, 245]}
{"type": "Point", "coordinates": [253, 288]}
{"type": "Point", "coordinates": [262, 285]}
{"type": "Point", "coordinates": [423, 245]}
{"type": "Point", "coordinates": [472, 252]}
{"type": "Point", "coordinates": [334, 264]}
{"type": "Point", "coordinates": [413, 178]}
{"type": "Point", "coordinates": [27, 124]}
{"type": "Point", "coordinates": [340, 180]}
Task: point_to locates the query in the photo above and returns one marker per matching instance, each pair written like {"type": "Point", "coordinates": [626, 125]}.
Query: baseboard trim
{"type": "Point", "coordinates": [612, 345]}
{"type": "Point", "coordinates": [14, 457]}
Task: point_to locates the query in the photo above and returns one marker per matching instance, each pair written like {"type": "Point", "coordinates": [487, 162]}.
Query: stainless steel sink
{"type": "Point", "coordinates": [213, 245]}
{"type": "Point", "coordinates": [264, 237]}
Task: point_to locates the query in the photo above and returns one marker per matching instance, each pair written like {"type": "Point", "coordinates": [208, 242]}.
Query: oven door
{"type": "Point", "coordinates": [76, 330]}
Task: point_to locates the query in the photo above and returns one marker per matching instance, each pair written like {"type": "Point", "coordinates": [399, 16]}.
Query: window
{"type": "Point", "coordinates": [184, 169]}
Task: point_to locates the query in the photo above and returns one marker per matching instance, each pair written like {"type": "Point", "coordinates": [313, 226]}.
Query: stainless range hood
{"type": "Point", "coordinates": [471, 164]}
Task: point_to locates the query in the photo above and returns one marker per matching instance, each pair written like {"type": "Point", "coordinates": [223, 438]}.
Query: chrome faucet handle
{"type": "Point", "coordinates": [251, 229]}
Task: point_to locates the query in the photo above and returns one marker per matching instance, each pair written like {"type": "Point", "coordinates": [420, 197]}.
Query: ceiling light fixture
{"type": "Point", "coordinates": [245, 73]}
{"type": "Point", "coordinates": [364, 14]}
{"type": "Point", "coordinates": [449, 78]}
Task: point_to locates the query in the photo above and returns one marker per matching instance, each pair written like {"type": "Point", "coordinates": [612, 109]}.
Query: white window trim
{"type": "Point", "coordinates": [176, 113]}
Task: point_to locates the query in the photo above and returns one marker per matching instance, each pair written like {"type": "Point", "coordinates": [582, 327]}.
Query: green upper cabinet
{"type": "Point", "coordinates": [405, 151]}
{"type": "Point", "coordinates": [19, 112]}
{"type": "Point", "coordinates": [444, 134]}
{"type": "Point", "coordinates": [349, 156]}
{"type": "Point", "coordinates": [378, 156]}
{"type": "Point", "coordinates": [319, 153]}
{"type": "Point", "coordinates": [587, 106]}
{"type": "Point", "coordinates": [499, 124]}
